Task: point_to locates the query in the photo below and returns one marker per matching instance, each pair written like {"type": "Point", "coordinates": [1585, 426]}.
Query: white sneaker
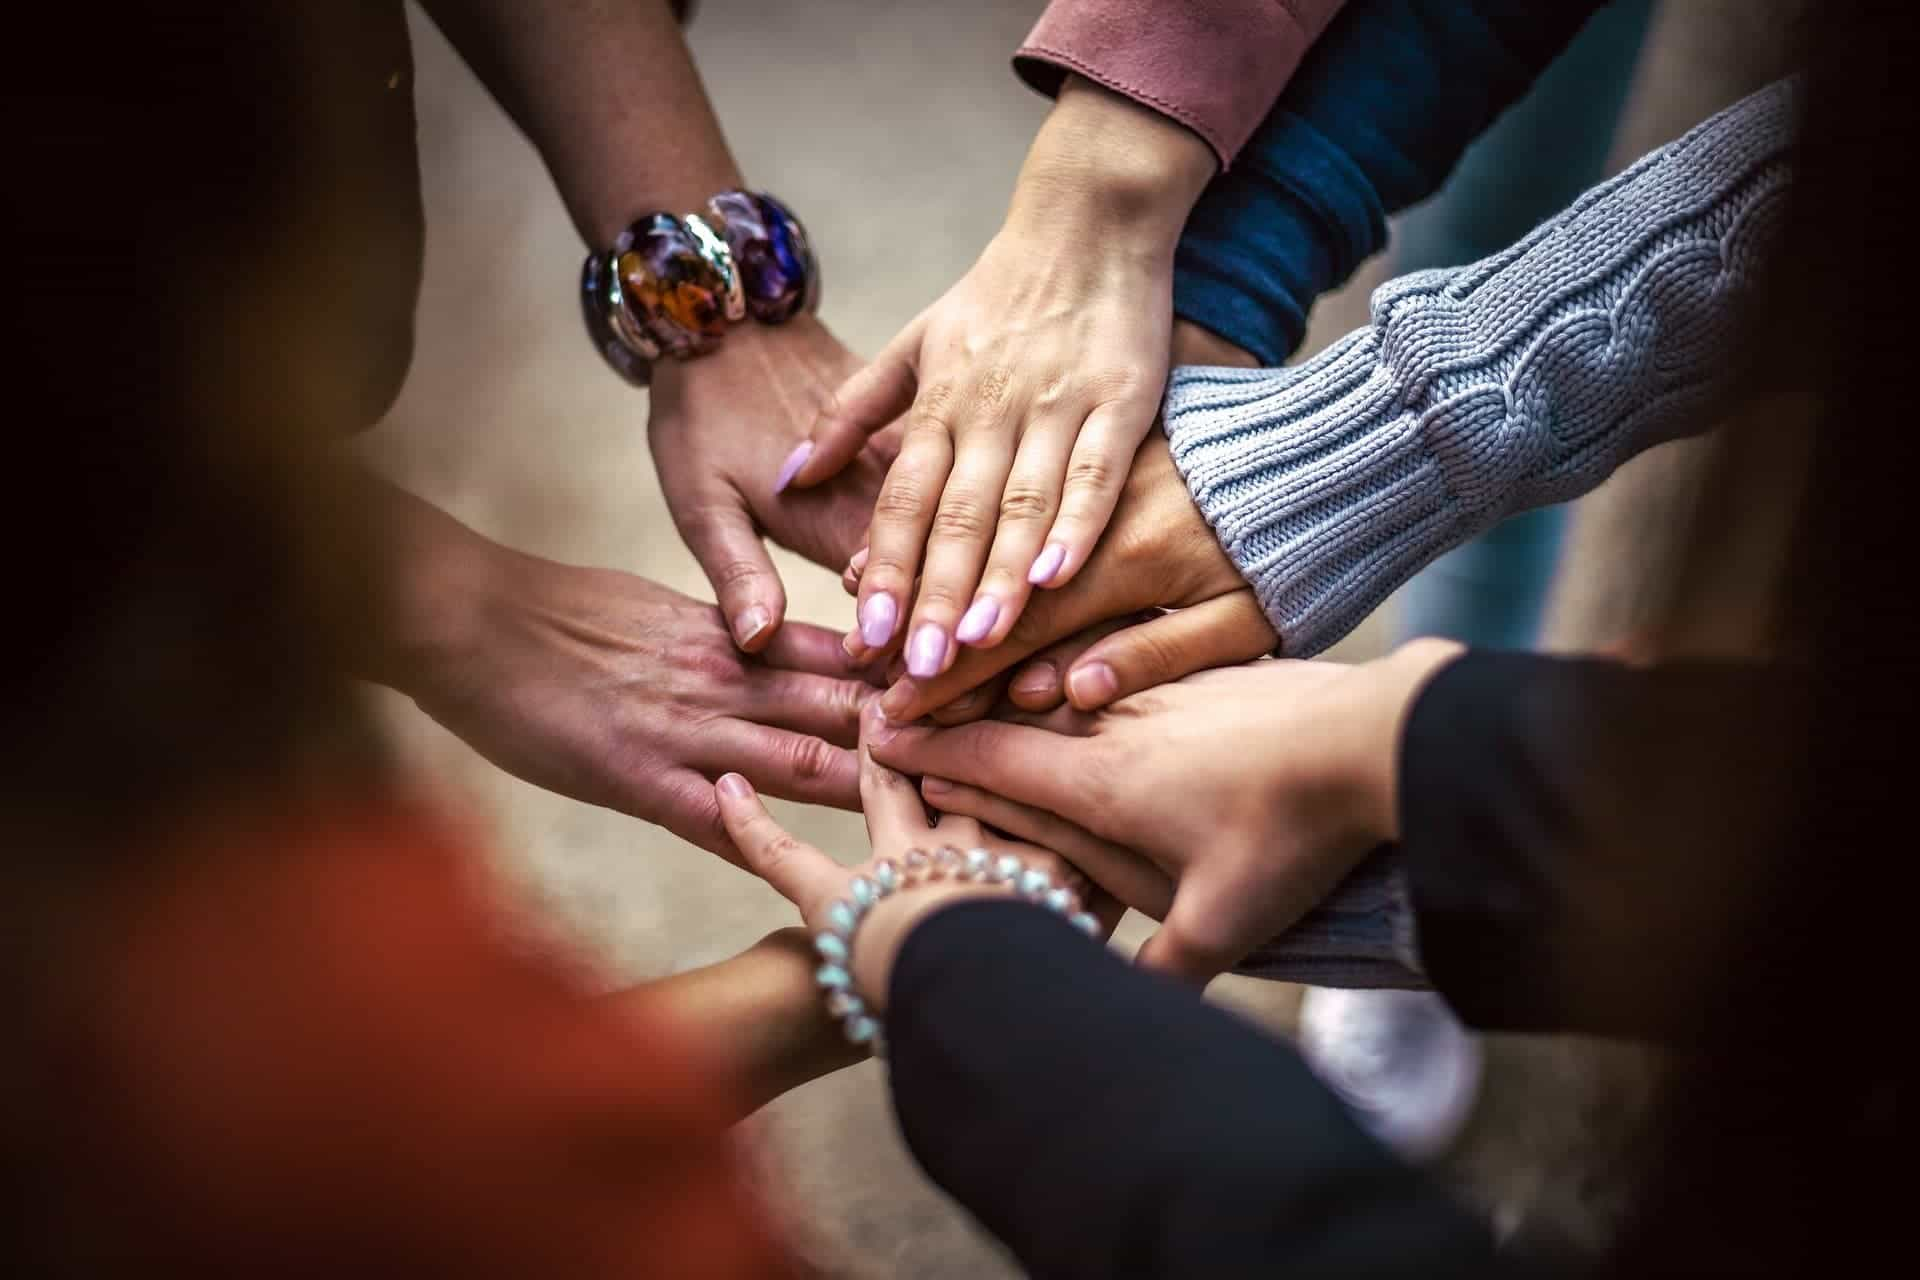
{"type": "Point", "coordinates": [1400, 1059]}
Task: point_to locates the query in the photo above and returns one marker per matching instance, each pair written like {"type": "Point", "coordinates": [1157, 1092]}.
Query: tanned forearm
{"type": "Point", "coordinates": [757, 1018]}
{"type": "Point", "coordinates": [608, 94]}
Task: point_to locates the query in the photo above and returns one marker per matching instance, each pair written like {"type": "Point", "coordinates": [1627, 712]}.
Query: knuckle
{"type": "Point", "coordinates": [1121, 382]}
{"type": "Point", "coordinates": [1091, 472]}
{"type": "Point", "coordinates": [811, 759]}
{"type": "Point", "coordinates": [962, 516]}
{"type": "Point", "coordinates": [901, 502]}
{"type": "Point", "coordinates": [1024, 504]}
{"type": "Point", "coordinates": [992, 388]}
{"type": "Point", "coordinates": [932, 412]}
{"type": "Point", "coordinates": [1053, 390]}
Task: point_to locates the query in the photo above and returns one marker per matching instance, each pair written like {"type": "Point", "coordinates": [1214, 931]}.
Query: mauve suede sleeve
{"type": "Point", "coordinates": [1216, 66]}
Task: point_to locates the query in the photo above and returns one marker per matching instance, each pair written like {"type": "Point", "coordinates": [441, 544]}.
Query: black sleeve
{"type": "Point", "coordinates": [1552, 814]}
{"type": "Point", "coordinates": [1103, 1121]}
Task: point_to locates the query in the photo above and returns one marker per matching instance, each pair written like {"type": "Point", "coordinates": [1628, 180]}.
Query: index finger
{"type": "Point", "coordinates": [1032, 766]}
{"type": "Point", "coordinates": [1049, 616]}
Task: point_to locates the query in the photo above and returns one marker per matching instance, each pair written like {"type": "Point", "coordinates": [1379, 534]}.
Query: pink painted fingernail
{"type": "Point", "coordinates": [1092, 685]}
{"type": "Point", "coordinates": [978, 621]}
{"type": "Point", "coordinates": [927, 651]}
{"type": "Point", "coordinates": [878, 613]}
{"type": "Point", "coordinates": [791, 467]}
{"type": "Point", "coordinates": [734, 787]}
{"type": "Point", "coordinates": [1047, 564]}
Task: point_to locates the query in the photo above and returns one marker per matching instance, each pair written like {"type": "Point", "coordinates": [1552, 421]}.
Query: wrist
{"type": "Point", "coordinates": [892, 921]}
{"type": "Point", "coordinates": [1102, 163]}
{"type": "Point", "coordinates": [442, 582]}
{"type": "Point", "coordinates": [1395, 684]}
{"type": "Point", "coordinates": [1196, 344]}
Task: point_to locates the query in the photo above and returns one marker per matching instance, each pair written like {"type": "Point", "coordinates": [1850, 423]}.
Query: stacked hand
{"type": "Point", "coordinates": [896, 823]}
{"type": "Point", "coordinates": [1027, 389]}
{"type": "Point", "coordinates": [607, 687]}
{"type": "Point", "coordinates": [719, 427]}
{"type": "Point", "coordinates": [1228, 803]}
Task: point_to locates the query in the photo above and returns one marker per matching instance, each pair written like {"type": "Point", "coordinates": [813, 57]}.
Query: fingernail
{"type": "Point", "coordinates": [791, 467]}
{"type": "Point", "coordinates": [878, 613]}
{"type": "Point", "coordinates": [1091, 685]}
{"type": "Point", "coordinates": [935, 786]}
{"type": "Point", "coordinates": [734, 787]}
{"type": "Point", "coordinates": [978, 621]}
{"type": "Point", "coordinates": [749, 624]}
{"type": "Point", "coordinates": [1047, 564]}
{"type": "Point", "coordinates": [927, 651]}
{"type": "Point", "coordinates": [858, 564]}
{"type": "Point", "coordinates": [878, 728]}
{"type": "Point", "coordinates": [895, 701]}
{"type": "Point", "coordinates": [1041, 677]}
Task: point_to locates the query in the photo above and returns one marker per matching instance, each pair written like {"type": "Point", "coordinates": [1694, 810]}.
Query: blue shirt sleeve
{"type": "Point", "coordinates": [1377, 117]}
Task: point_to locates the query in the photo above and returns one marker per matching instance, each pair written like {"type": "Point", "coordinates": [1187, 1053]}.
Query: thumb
{"type": "Point", "coordinates": [1194, 944]}
{"type": "Point", "coordinates": [1216, 633]}
{"type": "Point", "coordinates": [797, 871]}
{"type": "Point", "coordinates": [723, 539]}
{"type": "Point", "coordinates": [862, 405]}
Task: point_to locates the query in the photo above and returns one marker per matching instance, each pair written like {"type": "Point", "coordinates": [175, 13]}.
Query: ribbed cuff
{"type": "Point", "coordinates": [1321, 488]}
{"type": "Point", "coordinates": [1361, 936]}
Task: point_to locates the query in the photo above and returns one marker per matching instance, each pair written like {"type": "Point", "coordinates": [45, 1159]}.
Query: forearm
{"type": "Point", "coordinates": [1023, 1088]}
{"type": "Point", "coordinates": [756, 1019]}
{"type": "Point", "coordinates": [1376, 119]}
{"type": "Point", "coordinates": [608, 94]}
{"type": "Point", "coordinates": [1518, 381]}
{"type": "Point", "coordinates": [1552, 813]}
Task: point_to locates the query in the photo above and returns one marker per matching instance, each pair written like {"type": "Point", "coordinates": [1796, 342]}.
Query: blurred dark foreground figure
{"type": "Point", "coordinates": [272, 1020]}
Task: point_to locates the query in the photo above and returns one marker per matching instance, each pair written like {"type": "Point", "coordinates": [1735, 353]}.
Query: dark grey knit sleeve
{"type": "Point", "coordinates": [1476, 392]}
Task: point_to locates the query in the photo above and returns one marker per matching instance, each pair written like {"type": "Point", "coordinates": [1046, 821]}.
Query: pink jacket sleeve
{"type": "Point", "coordinates": [1216, 66]}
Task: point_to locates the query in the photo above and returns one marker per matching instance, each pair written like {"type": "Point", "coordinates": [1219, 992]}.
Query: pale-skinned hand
{"type": "Point", "coordinates": [1251, 791]}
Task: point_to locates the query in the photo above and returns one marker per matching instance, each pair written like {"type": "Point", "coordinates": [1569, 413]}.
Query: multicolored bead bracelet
{"type": "Point", "coordinates": [835, 943]}
{"type": "Point", "coordinates": [671, 285]}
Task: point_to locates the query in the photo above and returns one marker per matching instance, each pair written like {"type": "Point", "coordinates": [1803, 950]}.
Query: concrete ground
{"type": "Point", "coordinates": [896, 128]}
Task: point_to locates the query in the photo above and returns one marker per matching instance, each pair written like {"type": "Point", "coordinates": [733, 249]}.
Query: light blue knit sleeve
{"type": "Point", "coordinates": [1476, 392]}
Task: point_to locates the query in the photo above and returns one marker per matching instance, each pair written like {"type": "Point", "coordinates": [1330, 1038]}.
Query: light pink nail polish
{"type": "Point", "coordinates": [1047, 564]}
{"type": "Point", "coordinates": [791, 467]}
{"type": "Point", "coordinates": [978, 621]}
{"type": "Point", "coordinates": [878, 613]}
{"type": "Point", "coordinates": [927, 651]}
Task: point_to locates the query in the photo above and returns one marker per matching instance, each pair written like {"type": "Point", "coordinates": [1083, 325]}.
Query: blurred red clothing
{"type": "Point", "coordinates": [298, 1048]}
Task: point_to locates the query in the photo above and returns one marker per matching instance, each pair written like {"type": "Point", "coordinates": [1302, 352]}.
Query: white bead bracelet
{"type": "Point", "coordinates": [917, 867]}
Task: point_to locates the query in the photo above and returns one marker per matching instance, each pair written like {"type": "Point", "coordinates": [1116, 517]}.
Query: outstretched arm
{"type": "Point", "coordinates": [608, 93]}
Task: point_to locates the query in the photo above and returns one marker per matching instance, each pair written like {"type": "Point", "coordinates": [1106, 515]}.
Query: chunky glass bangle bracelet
{"type": "Point", "coordinates": [670, 291]}
{"type": "Point", "coordinates": [834, 944]}
{"type": "Point", "coordinates": [775, 257]}
{"type": "Point", "coordinates": [673, 285]}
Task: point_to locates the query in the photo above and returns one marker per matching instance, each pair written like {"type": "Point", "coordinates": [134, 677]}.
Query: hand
{"type": "Point", "coordinates": [610, 688]}
{"type": "Point", "coordinates": [719, 427]}
{"type": "Point", "coordinates": [1254, 790]}
{"type": "Point", "coordinates": [1158, 553]}
{"type": "Point", "coordinates": [1031, 384]}
{"type": "Point", "coordinates": [896, 822]}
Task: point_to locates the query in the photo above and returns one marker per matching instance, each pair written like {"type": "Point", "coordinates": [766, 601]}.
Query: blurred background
{"type": "Point", "coordinates": [896, 130]}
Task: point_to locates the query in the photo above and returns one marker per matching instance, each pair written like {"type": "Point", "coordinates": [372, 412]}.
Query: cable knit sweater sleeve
{"type": "Point", "coordinates": [1477, 392]}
